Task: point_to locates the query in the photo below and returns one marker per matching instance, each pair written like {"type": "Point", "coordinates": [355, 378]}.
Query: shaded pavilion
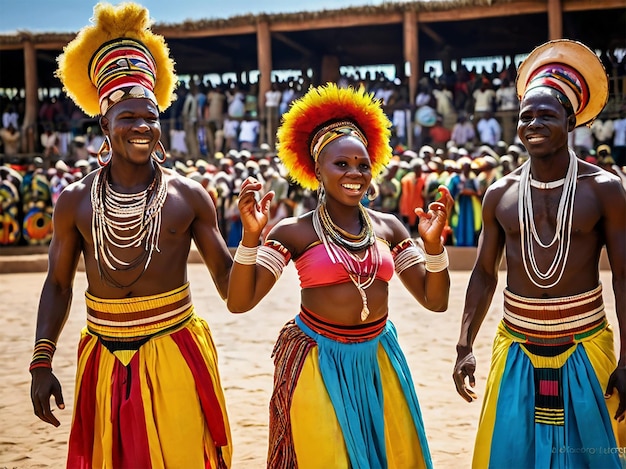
{"type": "Point", "coordinates": [403, 34]}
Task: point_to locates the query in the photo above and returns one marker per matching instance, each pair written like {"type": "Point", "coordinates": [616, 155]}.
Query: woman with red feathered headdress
{"type": "Point", "coordinates": [343, 394]}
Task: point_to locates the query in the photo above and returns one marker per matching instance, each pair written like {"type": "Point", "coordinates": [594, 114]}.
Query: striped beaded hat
{"type": "Point", "coordinates": [574, 74]}
{"type": "Point", "coordinates": [118, 57]}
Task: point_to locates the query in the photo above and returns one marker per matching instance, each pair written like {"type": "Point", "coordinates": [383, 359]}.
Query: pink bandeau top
{"type": "Point", "coordinates": [315, 268]}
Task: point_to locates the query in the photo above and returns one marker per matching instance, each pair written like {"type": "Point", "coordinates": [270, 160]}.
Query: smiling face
{"type": "Point", "coordinates": [134, 129]}
{"type": "Point", "coordinates": [543, 123]}
{"type": "Point", "coordinates": [345, 170]}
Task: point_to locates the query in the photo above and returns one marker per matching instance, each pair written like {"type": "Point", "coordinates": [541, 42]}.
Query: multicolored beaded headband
{"type": "Point", "coordinates": [122, 69]}
{"type": "Point", "coordinates": [332, 132]}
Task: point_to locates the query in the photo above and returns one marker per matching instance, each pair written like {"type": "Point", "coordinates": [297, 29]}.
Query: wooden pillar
{"type": "Point", "coordinates": [330, 69]}
{"type": "Point", "coordinates": [264, 62]}
{"type": "Point", "coordinates": [29, 126]}
{"type": "Point", "coordinates": [555, 20]}
{"type": "Point", "coordinates": [411, 57]}
{"type": "Point", "coordinates": [411, 51]}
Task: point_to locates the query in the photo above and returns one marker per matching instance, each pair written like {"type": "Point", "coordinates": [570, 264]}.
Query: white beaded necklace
{"type": "Point", "coordinates": [563, 231]}
{"type": "Point", "coordinates": [124, 221]}
{"type": "Point", "coordinates": [361, 270]}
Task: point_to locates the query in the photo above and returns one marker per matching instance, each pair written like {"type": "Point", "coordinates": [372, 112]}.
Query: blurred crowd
{"type": "Point", "coordinates": [459, 131]}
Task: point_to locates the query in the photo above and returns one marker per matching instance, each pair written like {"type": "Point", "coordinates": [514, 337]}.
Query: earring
{"type": "Point", "coordinates": [321, 195]}
{"type": "Point", "coordinates": [372, 192]}
{"type": "Point", "coordinates": [105, 149]}
{"type": "Point", "coordinates": [161, 150]}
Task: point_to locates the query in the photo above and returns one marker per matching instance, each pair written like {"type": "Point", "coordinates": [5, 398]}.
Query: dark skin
{"type": "Point", "coordinates": [344, 168]}
{"type": "Point", "coordinates": [599, 221]}
{"type": "Point", "coordinates": [188, 214]}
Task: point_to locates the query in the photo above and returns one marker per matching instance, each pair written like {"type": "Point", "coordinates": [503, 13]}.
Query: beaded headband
{"type": "Point", "coordinates": [118, 57]}
{"type": "Point", "coordinates": [324, 114]}
{"type": "Point", "coordinates": [122, 69]}
{"type": "Point", "coordinates": [332, 132]}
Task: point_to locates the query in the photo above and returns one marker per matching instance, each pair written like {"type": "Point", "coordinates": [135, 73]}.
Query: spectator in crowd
{"type": "Point", "coordinates": [465, 220]}
{"type": "Point", "coordinates": [10, 137]}
{"type": "Point", "coordinates": [488, 129]}
{"type": "Point", "coordinates": [272, 103]}
{"type": "Point", "coordinates": [484, 97]}
{"type": "Point", "coordinates": [463, 131]}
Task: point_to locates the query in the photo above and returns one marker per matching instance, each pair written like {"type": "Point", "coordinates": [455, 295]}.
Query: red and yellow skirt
{"type": "Point", "coordinates": [148, 392]}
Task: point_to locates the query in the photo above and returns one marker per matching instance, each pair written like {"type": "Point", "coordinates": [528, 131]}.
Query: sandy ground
{"type": "Point", "coordinates": [244, 345]}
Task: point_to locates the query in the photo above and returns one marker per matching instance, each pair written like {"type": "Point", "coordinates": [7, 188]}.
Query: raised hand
{"type": "Point", "coordinates": [432, 222]}
{"type": "Point", "coordinates": [254, 215]}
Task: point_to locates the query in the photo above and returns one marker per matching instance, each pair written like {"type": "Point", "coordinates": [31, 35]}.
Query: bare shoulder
{"type": "Point", "coordinates": [181, 182]}
{"type": "Point", "coordinates": [295, 233]}
{"type": "Point", "coordinates": [388, 227]}
{"type": "Point", "coordinates": [501, 185]}
{"type": "Point", "coordinates": [77, 191]}
{"type": "Point", "coordinates": [603, 181]}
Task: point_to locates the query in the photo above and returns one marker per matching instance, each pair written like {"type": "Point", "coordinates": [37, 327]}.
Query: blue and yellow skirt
{"type": "Point", "coordinates": [343, 398]}
{"type": "Point", "coordinates": [544, 405]}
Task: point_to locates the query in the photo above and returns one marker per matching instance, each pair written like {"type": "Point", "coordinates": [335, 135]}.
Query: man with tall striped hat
{"type": "Point", "coordinates": [556, 394]}
{"type": "Point", "coordinates": [148, 391]}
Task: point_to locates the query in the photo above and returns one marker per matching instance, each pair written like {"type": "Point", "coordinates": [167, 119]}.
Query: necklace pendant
{"type": "Point", "coordinates": [365, 312]}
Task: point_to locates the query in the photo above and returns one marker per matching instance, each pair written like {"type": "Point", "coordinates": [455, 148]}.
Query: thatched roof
{"type": "Point", "coordinates": [358, 35]}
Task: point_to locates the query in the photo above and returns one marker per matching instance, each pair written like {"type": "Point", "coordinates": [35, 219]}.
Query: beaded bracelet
{"type": "Point", "coordinates": [245, 255]}
{"type": "Point", "coordinates": [437, 262]}
{"type": "Point", "coordinates": [42, 354]}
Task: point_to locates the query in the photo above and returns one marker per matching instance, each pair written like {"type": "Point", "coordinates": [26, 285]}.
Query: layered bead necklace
{"type": "Point", "coordinates": [342, 248]}
{"type": "Point", "coordinates": [563, 231]}
{"type": "Point", "coordinates": [125, 221]}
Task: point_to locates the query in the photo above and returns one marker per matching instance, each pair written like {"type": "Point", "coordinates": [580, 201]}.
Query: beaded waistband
{"type": "Point", "coordinates": [134, 318]}
{"type": "Point", "coordinates": [569, 318]}
{"type": "Point", "coordinates": [342, 332]}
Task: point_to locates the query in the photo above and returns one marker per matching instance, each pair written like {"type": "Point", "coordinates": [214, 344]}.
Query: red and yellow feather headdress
{"type": "Point", "coordinates": [322, 109]}
{"type": "Point", "coordinates": [115, 58]}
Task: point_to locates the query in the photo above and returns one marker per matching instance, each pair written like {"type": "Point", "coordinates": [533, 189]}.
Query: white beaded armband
{"type": "Point", "coordinates": [438, 262]}
{"type": "Point", "coordinates": [245, 255]}
{"type": "Point", "coordinates": [274, 257]}
{"type": "Point", "coordinates": [406, 254]}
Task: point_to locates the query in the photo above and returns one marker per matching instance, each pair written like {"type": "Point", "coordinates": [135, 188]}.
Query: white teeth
{"type": "Point", "coordinates": [140, 141]}
{"type": "Point", "coordinates": [354, 187]}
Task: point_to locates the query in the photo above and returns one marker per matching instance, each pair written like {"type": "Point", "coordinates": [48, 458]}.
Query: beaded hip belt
{"type": "Point", "coordinates": [131, 319]}
{"type": "Point", "coordinates": [554, 321]}
{"type": "Point", "coordinates": [342, 332]}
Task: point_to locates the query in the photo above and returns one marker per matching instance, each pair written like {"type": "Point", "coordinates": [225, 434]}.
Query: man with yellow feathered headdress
{"type": "Point", "coordinates": [148, 391]}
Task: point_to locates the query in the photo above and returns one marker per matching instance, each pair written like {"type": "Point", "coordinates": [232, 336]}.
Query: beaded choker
{"type": "Point", "coordinates": [125, 221]}
{"type": "Point", "coordinates": [342, 247]}
{"type": "Point", "coordinates": [340, 236]}
{"type": "Point", "coordinates": [546, 185]}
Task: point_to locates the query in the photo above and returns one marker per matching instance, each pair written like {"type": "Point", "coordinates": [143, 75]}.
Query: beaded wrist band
{"type": "Point", "coordinates": [245, 255]}
{"type": "Point", "coordinates": [438, 262]}
{"type": "Point", "coordinates": [42, 355]}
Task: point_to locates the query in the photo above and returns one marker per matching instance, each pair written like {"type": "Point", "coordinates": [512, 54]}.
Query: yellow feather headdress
{"type": "Point", "coordinates": [115, 58]}
{"type": "Point", "coordinates": [327, 105]}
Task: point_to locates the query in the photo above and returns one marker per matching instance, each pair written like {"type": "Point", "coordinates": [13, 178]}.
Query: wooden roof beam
{"type": "Point", "coordinates": [293, 44]}
{"type": "Point", "coordinates": [432, 34]}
